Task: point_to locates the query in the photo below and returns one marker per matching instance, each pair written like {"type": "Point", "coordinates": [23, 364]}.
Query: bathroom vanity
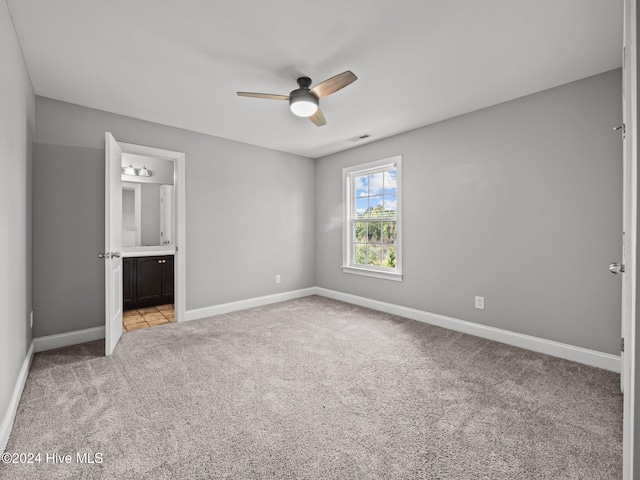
{"type": "Point", "coordinates": [147, 281]}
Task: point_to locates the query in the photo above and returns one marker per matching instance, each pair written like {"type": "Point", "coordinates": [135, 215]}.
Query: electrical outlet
{"type": "Point", "coordinates": [277, 278]}
{"type": "Point", "coordinates": [480, 303]}
{"type": "Point", "coordinates": [31, 316]}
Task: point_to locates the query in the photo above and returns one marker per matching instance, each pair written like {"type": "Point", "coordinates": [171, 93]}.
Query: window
{"type": "Point", "coordinates": [372, 232]}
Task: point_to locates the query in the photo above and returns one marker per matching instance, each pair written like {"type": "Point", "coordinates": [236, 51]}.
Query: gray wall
{"type": "Point", "coordinates": [519, 203]}
{"type": "Point", "coordinates": [68, 226]}
{"type": "Point", "coordinates": [249, 215]}
{"type": "Point", "coordinates": [16, 138]}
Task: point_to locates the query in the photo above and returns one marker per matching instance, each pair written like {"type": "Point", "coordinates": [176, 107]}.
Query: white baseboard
{"type": "Point", "coordinates": [60, 340]}
{"type": "Point", "coordinates": [10, 414]}
{"type": "Point", "coordinates": [198, 313]}
{"type": "Point", "coordinates": [586, 356]}
{"type": "Point", "coordinates": [540, 345]}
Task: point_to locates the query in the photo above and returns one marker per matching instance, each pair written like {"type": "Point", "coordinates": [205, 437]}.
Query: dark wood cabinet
{"type": "Point", "coordinates": [128, 282]}
{"type": "Point", "coordinates": [167, 281]}
{"type": "Point", "coordinates": [147, 281]}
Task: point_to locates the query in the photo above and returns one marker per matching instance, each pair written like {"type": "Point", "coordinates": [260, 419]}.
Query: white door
{"type": "Point", "coordinates": [113, 243]}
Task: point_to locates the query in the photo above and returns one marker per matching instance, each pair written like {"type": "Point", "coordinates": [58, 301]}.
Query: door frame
{"type": "Point", "coordinates": [179, 159]}
{"type": "Point", "coordinates": [630, 298]}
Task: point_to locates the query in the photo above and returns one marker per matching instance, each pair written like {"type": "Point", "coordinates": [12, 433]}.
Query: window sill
{"type": "Point", "coordinates": [397, 277]}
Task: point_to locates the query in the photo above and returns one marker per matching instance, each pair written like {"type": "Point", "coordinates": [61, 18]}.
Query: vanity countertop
{"type": "Point", "coordinates": [151, 251]}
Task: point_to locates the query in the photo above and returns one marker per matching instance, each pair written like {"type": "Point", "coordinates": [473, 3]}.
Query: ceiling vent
{"type": "Point", "coordinates": [359, 137]}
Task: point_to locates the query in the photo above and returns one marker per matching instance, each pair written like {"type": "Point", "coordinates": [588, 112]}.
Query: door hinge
{"type": "Point", "coordinates": [622, 344]}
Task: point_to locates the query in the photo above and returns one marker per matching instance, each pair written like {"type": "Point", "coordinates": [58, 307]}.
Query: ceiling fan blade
{"type": "Point", "coordinates": [318, 118]}
{"type": "Point", "coordinates": [334, 84]}
{"type": "Point", "coordinates": [268, 96]}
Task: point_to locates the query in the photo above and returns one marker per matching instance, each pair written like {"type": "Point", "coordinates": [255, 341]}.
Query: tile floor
{"type": "Point", "coordinates": [147, 317]}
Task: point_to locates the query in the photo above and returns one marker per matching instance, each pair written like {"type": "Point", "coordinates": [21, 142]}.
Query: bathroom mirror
{"type": "Point", "coordinates": [147, 202]}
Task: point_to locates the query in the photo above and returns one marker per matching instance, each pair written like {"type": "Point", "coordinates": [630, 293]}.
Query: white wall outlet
{"type": "Point", "coordinates": [31, 317]}
{"type": "Point", "coordinates": [277, 278]}
{"type": "Point", "coordinates": [480, 303]}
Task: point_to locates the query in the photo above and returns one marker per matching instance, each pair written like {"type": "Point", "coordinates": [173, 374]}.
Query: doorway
{"type": "Point", "coordinates": [160, 245]}
{"type": "Point", "coordinates": [148, 223]}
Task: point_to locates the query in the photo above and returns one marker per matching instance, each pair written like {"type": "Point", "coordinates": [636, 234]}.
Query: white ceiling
{"type": "Point", "coordinates": [180, 63]}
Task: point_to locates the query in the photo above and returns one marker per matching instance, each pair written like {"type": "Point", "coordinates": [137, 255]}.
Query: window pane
{"type": "Point", "coordinates": [374, 254]}
{"type": "Point", "coordinates": [375, 234]}
{"type": "Point", "coordinates": [390, 181]}
{"type": "Point", "coordinates": [375, 183]}
{"type": "Point", "coordinates": [389, 256]}
{"type": "Point", "coordinates": [361, 184]}
{"type": "Point", "coordinates": [361, 232]}
{"type": "Point", "coordinates": [376, 206]}
{"type": "Point", "coordinates": [361, 253]}
{"type": "Point", "coordinates": [361, 206]}
{"type": "Point", "coordinates": [389, 234]}
{"type": "Point", "coordinates": [390, 205]}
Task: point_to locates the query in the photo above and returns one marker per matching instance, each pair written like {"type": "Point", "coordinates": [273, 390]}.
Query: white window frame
{"type": "Point", "coordinates": [348, 228]}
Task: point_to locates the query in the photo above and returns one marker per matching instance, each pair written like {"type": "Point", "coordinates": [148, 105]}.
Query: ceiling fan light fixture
{"type": "Point", "coordinates": [303, 103]}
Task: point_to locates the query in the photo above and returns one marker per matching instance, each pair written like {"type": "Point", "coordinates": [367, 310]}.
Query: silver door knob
{"type": "Point", "coordinates": [109, 255]}
{"type": "Point", "coordinates": [616, 268]}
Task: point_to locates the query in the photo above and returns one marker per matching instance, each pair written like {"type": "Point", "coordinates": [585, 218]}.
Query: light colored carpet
{"type": "Point", "coordinates": [316, 389]}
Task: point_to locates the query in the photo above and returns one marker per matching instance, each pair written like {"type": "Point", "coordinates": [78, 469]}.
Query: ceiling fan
{"type": "Point", "coordinates": [304, 101]}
